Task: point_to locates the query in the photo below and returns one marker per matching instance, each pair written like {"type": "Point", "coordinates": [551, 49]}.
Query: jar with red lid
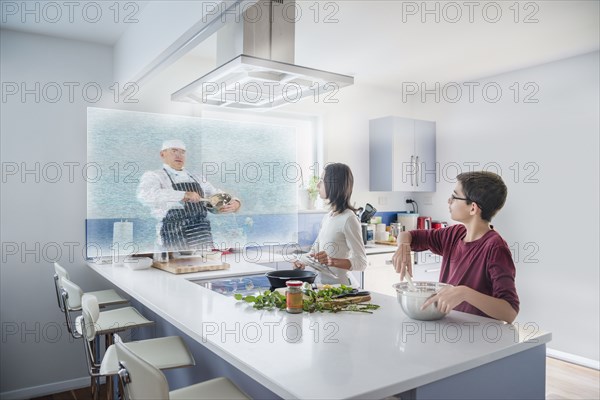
{"type": "Point", "coordinates": [293, 297]}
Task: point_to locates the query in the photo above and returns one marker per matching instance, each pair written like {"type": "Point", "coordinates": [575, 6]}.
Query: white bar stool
{"type": "Point", "coordinates": [105, 298]}
{"type": "Point", "coordinates": [107, 323]}
{"type": "Point", "coordinates": [141, 380]}
{"type": "Point", "coordinates": [163, 353]}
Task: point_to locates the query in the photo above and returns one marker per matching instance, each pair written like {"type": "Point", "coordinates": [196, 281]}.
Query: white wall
{"type": "Point", "coordinates": [554, 220]}
{"type": "Point", "coordinates": [40, 215]}
{"type": "Point", "coordinates": [45, 216]}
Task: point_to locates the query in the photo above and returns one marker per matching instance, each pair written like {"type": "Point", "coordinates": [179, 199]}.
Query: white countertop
{"type": "Point", "coordinates": [323, 355]}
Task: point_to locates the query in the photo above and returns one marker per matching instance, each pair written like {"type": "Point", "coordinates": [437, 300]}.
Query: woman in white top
{"type": "Point", "coordinates": [339, 244]}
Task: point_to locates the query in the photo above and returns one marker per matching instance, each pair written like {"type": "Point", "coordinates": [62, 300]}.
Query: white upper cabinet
{"type": "Point", "coordinates": [402, 155]}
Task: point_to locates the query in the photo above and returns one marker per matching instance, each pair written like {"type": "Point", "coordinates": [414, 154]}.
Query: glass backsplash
{"type": "Point", "coordinates": [254, 162]}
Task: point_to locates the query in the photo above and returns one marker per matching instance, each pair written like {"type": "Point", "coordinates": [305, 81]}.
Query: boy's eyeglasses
{"type": "Point", "coordinates": [453, 197]}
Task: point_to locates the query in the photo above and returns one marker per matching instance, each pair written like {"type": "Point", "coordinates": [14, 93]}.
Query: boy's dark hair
{"type": "Point", "coordinates": [338, 180]}
{"type": "Point", "coordinates": [486, 189]}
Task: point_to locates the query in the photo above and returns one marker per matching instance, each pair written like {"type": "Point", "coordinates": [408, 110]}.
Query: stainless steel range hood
{"type": "Point", "coordinates": [257, 70]}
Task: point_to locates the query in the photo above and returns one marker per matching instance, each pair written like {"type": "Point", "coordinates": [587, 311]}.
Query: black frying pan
{"type": "Point", "coordinates": [277, 279]}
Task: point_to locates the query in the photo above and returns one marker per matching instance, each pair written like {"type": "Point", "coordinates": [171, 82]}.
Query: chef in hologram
{"type": "Point", "coordinates": [174, 196]}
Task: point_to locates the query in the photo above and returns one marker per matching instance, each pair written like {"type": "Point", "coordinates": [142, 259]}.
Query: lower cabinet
{"type": "Point", "coordinates": [427, 266]}
{"type": "Point", "coordinates": [380, 274]}
{"type": "Point", "coordinates": [427, 272]}
{"type": "Point", "coordinates": [359, 277]}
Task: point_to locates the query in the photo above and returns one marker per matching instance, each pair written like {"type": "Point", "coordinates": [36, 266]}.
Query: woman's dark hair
{"type": "Point", "coordinates": [338, 180]}
{"type": "Point", "coordinates": [486, 189]}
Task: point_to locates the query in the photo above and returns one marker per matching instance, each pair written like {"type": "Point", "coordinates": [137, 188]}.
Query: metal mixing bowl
{"type": "Point", "coordinates": [217, 201]}
{"type": "Point", "coordinates": [411, 300]}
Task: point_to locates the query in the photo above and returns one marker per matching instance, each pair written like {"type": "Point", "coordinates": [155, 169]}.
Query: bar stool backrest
{"type": "Point", "coordinates": [91, 312]}
{"type": "Point", "coordinates": [60, 271]}
{"type": "Point", "coordinates": [74, 293]}
{"type": "Point", "coordinates": [59, 274]}
{"type": "Point", "coordinates": [140, 379]}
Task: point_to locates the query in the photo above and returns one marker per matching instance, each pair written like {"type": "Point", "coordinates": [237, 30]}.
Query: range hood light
{"type": "Point", "coordinates": [251, 82]}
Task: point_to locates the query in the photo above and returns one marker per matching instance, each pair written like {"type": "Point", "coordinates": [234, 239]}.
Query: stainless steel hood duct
{"type": "Point", "coordinates": [257, 70]}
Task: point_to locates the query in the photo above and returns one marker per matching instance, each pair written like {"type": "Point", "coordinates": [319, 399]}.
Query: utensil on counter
{"type": "Point", "coordinates": [408, 278]}
{"type": "Point", "coordinates": [137, 263]}
{"type": "Point", "coordinates": [204, 255]}
{"type": "Point", "coordinates": [277, 279]}
{"type": "Point", "coordinates": [424, 223]}
{"type": "Point", "coordinates": [438, 224]}
{"type": "Point", "coordinates": [408, 220]}
{"type": "Point", "coordinates": [313, 263]}
{"type": "Point", "coordinates": [353, 293]}
{"type": "Point", "coordinates": [411, 300]}
{"type": "Point", "coordinates": [368, 213]}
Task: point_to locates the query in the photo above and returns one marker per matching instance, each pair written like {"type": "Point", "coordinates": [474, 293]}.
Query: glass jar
{"type": "Point", "coordinates": [293, 297]}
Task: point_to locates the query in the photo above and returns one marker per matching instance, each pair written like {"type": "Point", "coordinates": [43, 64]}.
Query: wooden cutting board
{"type": "Point", "coordinates": [352, 300]}
{"type": "Point", "coordinates": [186, 266]}
{"type": "Point", "coordinates": [386, 243]}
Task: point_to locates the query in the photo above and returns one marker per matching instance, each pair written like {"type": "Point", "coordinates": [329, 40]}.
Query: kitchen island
{"type": "Point", "coordinates": [337, 356]}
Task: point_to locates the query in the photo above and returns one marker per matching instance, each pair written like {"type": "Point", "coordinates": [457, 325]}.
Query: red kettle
{"type": "Point", "coordinates": [424, 223]}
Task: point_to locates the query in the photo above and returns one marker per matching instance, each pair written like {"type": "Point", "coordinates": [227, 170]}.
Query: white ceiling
{"type": "Point", "coordinates": [370, 40]}
{"type": "Point", "coordinates": [90, 21]}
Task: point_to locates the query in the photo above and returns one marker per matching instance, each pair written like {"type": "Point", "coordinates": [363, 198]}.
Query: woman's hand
{"type": "Point", "coordinates": [447, 298]}
{"type": "Point", "coordinates": [401, 260]}
{"type": "Point", "coordinates": [321, 257]}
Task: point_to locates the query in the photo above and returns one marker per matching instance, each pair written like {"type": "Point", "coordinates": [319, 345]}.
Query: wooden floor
{"type": "Point", "coordinates": [78, 394]}
{"type": "Point", "coordinates": [563, 381]}
{"type": "Point", "coordinates": [571, 381]}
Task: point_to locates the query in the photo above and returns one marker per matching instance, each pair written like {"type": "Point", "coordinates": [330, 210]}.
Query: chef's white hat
{"type": "Point", "coordinates": [173, 144]}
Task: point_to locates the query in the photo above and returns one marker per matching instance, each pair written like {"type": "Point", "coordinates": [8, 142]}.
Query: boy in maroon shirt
{"type": "Point", "coordinates": [476, 260]}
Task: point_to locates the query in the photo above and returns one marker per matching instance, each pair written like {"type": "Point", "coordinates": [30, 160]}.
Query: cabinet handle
{"type": "Point", "coordinates": [411, 172]}
{"type": "Point", "coordinates": [417, 171]}
{"type": "Point", "coordinates": [433, 270]}
{"type": "Point", "coordinates": [388, 262]}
